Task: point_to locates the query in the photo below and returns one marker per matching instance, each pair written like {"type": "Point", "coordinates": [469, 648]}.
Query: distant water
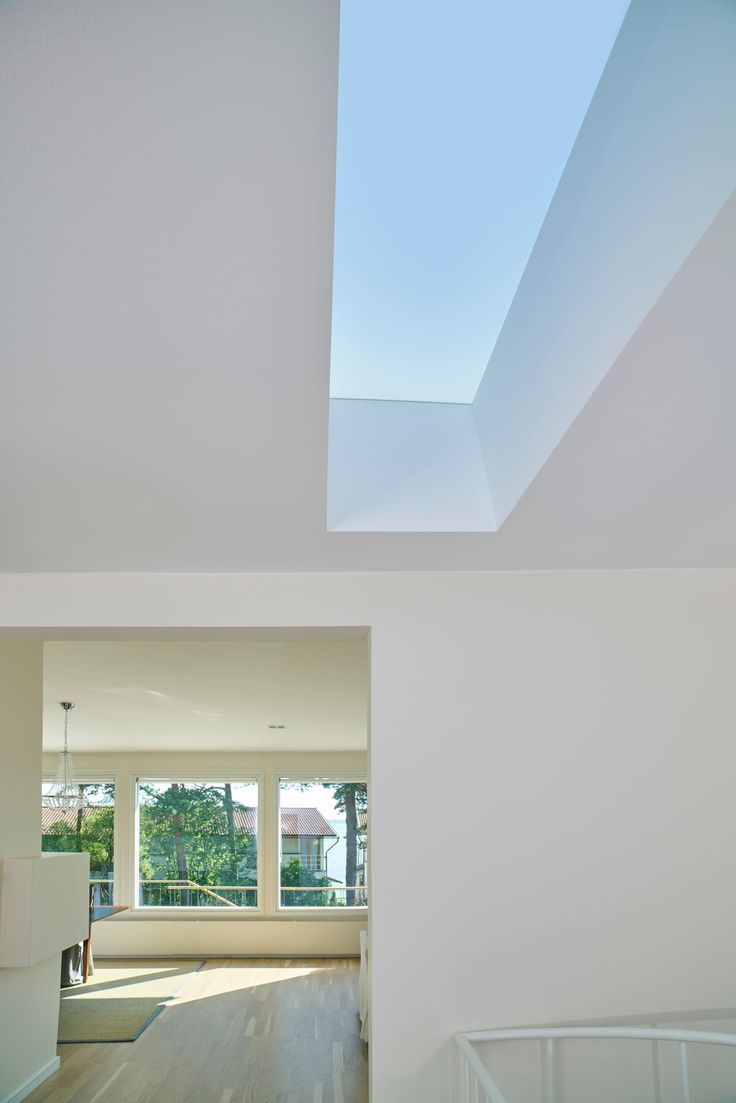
{"type": "Point", "coordinates": [336, 853]}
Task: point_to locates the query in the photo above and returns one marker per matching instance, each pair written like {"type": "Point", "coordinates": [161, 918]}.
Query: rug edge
{"type": "Point", "coordinates": [147, 1022]}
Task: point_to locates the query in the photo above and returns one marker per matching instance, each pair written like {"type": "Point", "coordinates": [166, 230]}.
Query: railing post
{"type": "Point", "coordinates": [685, 1071]}
{"type": "Point", "coordinates": [550, 1070]}
{"type": "Point", "coordinates": [547, 1057]}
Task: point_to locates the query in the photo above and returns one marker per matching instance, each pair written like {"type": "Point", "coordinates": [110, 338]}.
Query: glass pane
{"type": "Point", "coordinates": [198, 844]}
{"type": "Point", "coordinates": [323, 843]}
{"type": "Point", "coordinates": [88, 830]}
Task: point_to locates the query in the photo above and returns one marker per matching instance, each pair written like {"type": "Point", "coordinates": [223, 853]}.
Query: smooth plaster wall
{"type": "Point", "coordinates": [29, 998]}
{"type": "Point", "coordinates": [556, 752]}
{"type": "Point", "coordinates": [140, 934]}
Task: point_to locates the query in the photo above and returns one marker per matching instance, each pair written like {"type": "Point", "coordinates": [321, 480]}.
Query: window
{"type": "Point", "coordinates": [198, 843]}
{"type": "Point", "coordinates": [323, 854]}
{"type": "Point", "coordinates": [90, 829]}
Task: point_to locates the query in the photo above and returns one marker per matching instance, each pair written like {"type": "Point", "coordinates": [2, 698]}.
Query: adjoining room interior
{"type": "Point", "coordinates": [226, 815]}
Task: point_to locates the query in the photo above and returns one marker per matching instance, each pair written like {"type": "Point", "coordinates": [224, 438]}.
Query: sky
{"type": "Point", "coordinates": [455, 121]}
{"type": "Point", "coordinates": [315, 796]}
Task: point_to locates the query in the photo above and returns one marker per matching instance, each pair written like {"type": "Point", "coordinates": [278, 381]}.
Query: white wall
{"type": "Point", "coordinates": [571, 737]}
{"type": "Point", "coordinates": [29, 998]}
{"type": "Point", "coordinates": [269, 934]}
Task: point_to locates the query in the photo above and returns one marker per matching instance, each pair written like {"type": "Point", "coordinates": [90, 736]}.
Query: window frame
{"type": "Point", "coordinates": [318, 911]}
{"type": "Point", "coordinates": [91, 777]}
{"type": "Point", "coordinates": [152, 911]}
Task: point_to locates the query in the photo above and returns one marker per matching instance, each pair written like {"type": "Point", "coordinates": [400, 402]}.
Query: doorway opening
{"type": "Point", "coordinates": [226, 792]}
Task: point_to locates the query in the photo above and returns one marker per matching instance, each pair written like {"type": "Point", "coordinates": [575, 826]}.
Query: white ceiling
{"type": "Point", "coordinates": [214, 696]}
{"type": "Point", "coordinates": [165, 271]}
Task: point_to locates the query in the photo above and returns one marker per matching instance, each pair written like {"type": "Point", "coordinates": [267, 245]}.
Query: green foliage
{"type": "Point", "coordinates": [342, 793]}
{"type": "Point", "coordinates": [91, 831]}
{"type": "Point", "coordinates": [351, 798]}
{"type": "Point", "coordinates": [187, 832]}
{"type": "Point", "coordinates": [295, 876]}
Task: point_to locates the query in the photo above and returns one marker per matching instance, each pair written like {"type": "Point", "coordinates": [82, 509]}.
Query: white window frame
{"type": "Point", "coordinates": [152, 911]}
{"type": "Point", "coordinates": [321, 911]}
{"type": "Point", "coordinates": [92, 778]}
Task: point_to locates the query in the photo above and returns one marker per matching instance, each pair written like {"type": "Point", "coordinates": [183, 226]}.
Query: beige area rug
{"type": "Point", "coordinates": [121, 999]}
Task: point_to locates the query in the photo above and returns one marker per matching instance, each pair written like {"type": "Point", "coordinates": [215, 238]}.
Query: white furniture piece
{"type": "Point", "coordinates": [44, 906]}
{"type": "Point", "coordinates": [364, 988]}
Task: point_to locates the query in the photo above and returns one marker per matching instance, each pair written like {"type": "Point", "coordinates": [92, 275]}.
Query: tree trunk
{"type": "Point", "coordinates": [78, 826]}
{"type": "Point", "coordinates": [78, 832]}
{"type": "Point", "coordinates": [230, 814]}
{"type": "Point", "coordinates": [110, 863]}
{"type": "Point", "coordinates": [181, 854]}
{"type": "Point", "coordinates": [351, 844]}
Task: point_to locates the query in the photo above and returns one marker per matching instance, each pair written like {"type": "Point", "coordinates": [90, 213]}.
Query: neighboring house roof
{"type": "Point", "coordinates": [51, 816]}
{"type": "Point", "coordinates": [294, 821]}
{"type": "Point", "coordinates": [304, 821]}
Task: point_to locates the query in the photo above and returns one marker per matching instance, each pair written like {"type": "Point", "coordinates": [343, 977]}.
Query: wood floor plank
{"type": "Point", "coordinates": [240, 1031]}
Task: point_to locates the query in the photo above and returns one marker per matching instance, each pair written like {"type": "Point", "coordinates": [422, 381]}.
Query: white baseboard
{"type": "Point", "coordinates": [26, 1088]}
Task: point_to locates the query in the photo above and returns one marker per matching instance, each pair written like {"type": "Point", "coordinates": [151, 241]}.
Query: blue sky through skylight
{"type": "Point", "coordinates": [455, 123]}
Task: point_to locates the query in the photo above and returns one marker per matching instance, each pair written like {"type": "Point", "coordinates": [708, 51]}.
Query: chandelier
{"type": "Point", "coordinates": [65, 792]}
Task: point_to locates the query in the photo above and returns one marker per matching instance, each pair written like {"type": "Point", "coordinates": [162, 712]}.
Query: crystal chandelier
{"type": "Point", "coordinates": [65, 792]}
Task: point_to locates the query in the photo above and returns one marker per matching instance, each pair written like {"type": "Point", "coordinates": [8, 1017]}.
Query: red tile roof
{"type": "Point", "coordinates": [304, 821]}
{"type": "Point", "coordinates": [294, 821]}
{"type": "Point", "coordinates": [51, 816]}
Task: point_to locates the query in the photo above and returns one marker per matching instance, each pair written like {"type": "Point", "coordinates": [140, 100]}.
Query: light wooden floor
{"type": "Point", "coordinates": [257, 1031]}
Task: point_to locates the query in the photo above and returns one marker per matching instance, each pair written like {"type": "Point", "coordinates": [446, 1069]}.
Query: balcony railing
{"type": "Point", "coordinates": [101, 890]}
{"type": "Point", "coordinates": [324, 896]}
{"type": "Point", "coordinates": [167, 893]}
{"type": "Point", "coordinates": [306, 861]}
{"type": "Point", "coordinates": [171, 893]}
{"type": "Point", "coordinates": [479, 1085]}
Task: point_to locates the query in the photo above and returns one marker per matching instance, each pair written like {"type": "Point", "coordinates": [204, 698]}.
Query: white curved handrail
{"type": "Point", "coordinates": [477, 1078]}
{"type": "Point", "coordinates": [655, 1034]}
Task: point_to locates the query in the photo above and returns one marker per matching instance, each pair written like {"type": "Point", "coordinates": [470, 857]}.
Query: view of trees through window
{"type": "Point", "coordinates": [89, 829]}
{"type": "Point", "coordinates": [198, 843]}
{"type": "Point", "coordinates": [323, 843]}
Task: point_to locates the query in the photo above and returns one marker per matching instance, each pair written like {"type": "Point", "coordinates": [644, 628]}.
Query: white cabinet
{"type": "Point", "coordinates": [44, 906]}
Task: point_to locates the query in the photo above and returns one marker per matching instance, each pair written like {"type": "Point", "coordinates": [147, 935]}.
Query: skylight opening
{"type": "Point", "coordinates": [455, 122]}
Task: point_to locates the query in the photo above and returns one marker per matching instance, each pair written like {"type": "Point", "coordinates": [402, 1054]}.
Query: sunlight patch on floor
{"type": "Point", "coordinates": [217, 980]}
